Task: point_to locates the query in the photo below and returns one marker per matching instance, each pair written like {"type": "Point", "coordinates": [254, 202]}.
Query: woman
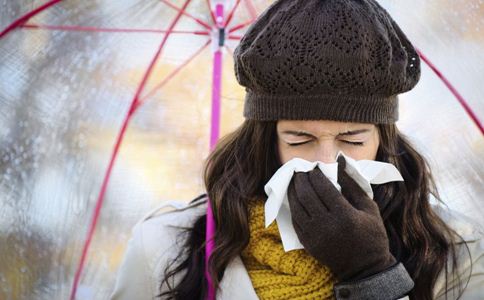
{"type": "Point", "coordinates": [321, 77]}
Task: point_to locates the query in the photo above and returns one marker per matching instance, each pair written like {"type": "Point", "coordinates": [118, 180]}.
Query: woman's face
{"type": "Point", "coordinates": [322, 139]}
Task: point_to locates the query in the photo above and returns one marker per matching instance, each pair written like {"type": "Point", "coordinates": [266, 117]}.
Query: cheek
{"type": "Point", "coordinates": [367, 151]}
{"type": "Point", "coordinates": [360, 152]}
{"type": "Point", "coordinates": [285, 153]}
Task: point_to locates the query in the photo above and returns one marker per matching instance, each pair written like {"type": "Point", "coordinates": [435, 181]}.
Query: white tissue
{"type": "Point", "coordinates": [364, 172]}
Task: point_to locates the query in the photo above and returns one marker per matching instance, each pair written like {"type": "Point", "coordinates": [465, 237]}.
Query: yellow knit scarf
{"type": "Point", "coordinates": [276, 274]}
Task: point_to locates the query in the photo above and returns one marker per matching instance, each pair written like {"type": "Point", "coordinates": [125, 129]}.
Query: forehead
{"type": "Point", "coordinates": [321, 126]}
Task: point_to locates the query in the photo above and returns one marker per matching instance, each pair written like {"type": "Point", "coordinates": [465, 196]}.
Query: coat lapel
{"type": "Point", "coordinates": [236, 283]}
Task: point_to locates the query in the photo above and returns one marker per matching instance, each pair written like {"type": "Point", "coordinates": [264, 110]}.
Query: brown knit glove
{"type": "Point", "coordinates": [342, 231]}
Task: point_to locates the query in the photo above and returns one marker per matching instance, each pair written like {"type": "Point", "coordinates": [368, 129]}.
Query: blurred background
{"type": "Point", "coordinates": [64, 95]}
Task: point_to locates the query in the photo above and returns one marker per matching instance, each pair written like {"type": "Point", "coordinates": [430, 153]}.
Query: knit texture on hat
{"type": "Point", "coordinates": [343, 60]}
{"type": "Point", "coordinates": [276, 274]}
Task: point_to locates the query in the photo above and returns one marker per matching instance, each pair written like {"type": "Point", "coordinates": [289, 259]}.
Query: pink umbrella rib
{"type": "Point", "coordinates": [173, 73]}
{"type": "Point", "coordinates": [198, 20]}
{"type": "Point", "coordinates": [231, 14]}
{"type": "Point", "coordinates": [102, 29]}
{"type": "Point", "coordinates": [253, 14]}
{"type": "Point", "coordinates": [212, 15]}
{"type": "Point", "coordinates": [23, 19]}
{"type": "Point", "coordinates": [119, 139]}
{"type": "Point", "coordinates": [240, 26]}
{"type": "Point", "coordinates": [454, 91]}
{"type": "Point", "coordinates": [251, 8]}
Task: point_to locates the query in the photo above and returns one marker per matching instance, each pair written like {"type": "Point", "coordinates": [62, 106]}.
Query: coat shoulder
{"type": "Point", "coordinates": [156, 241]}
{"type": "Point", "coordinates": [467, 227]}
{"type": "Point", "coordinates": [470, 256]}
{"type": "Point", "coordinates": [174, 214]}
{"type": "Point", "coordinates": [164, 229]}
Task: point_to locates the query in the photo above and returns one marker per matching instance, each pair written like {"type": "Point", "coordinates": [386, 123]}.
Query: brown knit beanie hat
{"type": "Point", "coordinates": [343, 60]}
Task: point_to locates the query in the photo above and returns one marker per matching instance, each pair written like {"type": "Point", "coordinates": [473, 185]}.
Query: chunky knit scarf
{"type": "Point", "coordinates": [276, 274]}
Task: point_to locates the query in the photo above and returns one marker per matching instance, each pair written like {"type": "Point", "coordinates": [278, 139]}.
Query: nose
{"type": "Point", "coordinates": [326, 152]}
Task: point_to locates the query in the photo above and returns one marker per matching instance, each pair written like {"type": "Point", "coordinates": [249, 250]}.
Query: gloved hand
{"type": "Point", "coordinates": [343, 231]}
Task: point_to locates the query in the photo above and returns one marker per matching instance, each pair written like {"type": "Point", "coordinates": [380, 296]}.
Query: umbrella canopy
{"type": "Point", "coordinates": [71, 71]}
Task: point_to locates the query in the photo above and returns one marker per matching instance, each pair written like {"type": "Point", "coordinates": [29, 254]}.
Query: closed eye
{"type": "Point", "coordinates": [347, 142]}
{"type": "Point", "coordinates": [297, 144]}
{"type": "Point", "coordinates": [354, 143]}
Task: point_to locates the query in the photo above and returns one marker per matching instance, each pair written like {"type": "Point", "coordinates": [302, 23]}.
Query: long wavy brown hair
{"type": "Point", "coordinates": [244, 160]}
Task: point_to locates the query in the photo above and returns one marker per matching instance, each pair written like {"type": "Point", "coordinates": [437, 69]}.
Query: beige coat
{"type": "Point", "coordinates": [154, 243]}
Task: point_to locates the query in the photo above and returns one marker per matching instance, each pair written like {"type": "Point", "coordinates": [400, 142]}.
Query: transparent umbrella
{"type": "Point", "coordinates": [130, 89]}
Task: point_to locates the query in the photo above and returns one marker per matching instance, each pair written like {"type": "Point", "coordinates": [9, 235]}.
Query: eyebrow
{"type": "Point", "coordinates": [303, 133]}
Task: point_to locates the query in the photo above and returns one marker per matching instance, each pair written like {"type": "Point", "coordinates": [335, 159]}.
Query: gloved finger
{"type": "Point", "coordinates": [307, 196]}
{"type": "Point", "coordinates": [352, 191]}
{"type": "Point", "coordinates": [298, 211]}
{"type": "Point", "coordinates": [341, 164]}
{"type": "Point", "coordinates": [327, 192]}
{"type": "Point", "coordinates": [345, 180]}
{"type": "Point", "coordinates": [300, 232]}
